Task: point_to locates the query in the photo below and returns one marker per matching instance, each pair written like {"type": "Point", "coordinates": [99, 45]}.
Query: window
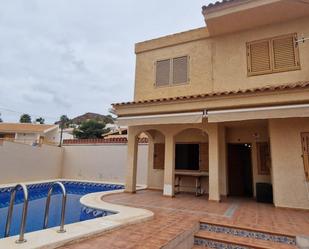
{"type": "Point", "coordinates": [305, 150]}
{"type": "Point", "coordinates": [191, 157]}
{"type": "Point", "coordinates": [172, 71]}
{"type": "Point", "coordinates": [273, 55]}
{"type": "Point", "coordinates": [187, 157]}
{"type": "Point", "coordinates": [263, 158]}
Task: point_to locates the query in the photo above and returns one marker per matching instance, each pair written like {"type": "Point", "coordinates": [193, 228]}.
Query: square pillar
{"type": "Point", "coordinates": [214, 162]}
{"type": "Point", "coordinates": [169, 166]}
{"type": "Point", "coordinates": [223, 174]}
{"type": "Point", "coordinates": [131, 162]}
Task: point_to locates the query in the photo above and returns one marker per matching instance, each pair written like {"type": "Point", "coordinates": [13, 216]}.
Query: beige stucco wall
{"type": "Point", "coordinates": [217, 63]}
{"type": "Point", "coordinates": [102, 162]}
{"type": "Point", "coordinates": [22, 162]}
{"type": "Point", "coordinates": [287, 165]}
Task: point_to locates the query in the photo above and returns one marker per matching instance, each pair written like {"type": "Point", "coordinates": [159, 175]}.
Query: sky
{"type": "Point", "coordinates": [76, 56]}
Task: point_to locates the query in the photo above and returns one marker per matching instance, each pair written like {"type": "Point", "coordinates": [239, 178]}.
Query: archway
{"type": "Point", "coordinates": [146, 154]}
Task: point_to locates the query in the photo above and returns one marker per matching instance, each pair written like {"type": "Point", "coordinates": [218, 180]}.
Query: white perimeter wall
{"type": "Point", "coordinates": [103, 162]}
{"type": "Point", "coordinates": [22, 162]}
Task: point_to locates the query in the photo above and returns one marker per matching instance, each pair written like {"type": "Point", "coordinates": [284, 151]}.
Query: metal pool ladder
{"type": "Point", "coordinates": [21, 238]}
{"type": "Point", "coordinates": [64, 199]}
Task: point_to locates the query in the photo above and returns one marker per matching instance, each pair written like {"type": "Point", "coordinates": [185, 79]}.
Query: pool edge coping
{"type": "Point", "coordinates": [49, 238]}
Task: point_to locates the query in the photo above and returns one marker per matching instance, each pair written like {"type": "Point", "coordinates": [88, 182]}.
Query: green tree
{"type": "Point", "coordinates": [40, 120]}
{"type": "Point", "coordinates": [90, 129]}
{"type": "Point", "coordinates": [25, 118]}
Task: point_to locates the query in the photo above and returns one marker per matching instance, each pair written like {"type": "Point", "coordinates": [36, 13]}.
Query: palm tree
{"type": "Point", "coordinates": [64, 122]}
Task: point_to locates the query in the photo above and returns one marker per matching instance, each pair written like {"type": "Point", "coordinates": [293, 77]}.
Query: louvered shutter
{"type": "Point", "coordinates": [163, 69]}
{"type": "Point", "coordinates": [285, 53]}
{"type": "Point", "coordinates": [180, 70]}
{"type": "Point", "coordinates": [259, 59]}
{"type": "Point", "coordinates": [263, 158]}
{"type": "Point", "coordinates": [158, 156]}
{"type": "Point", "coordinates": [204, 156]}
{"type": "Point", "coordinates": [305, 149]}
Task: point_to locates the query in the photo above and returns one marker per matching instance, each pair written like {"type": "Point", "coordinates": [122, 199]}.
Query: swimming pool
{"type": "Point", "coordinates": [75, 211]}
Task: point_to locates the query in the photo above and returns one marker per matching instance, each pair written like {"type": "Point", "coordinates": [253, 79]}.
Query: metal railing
{"type": "Point", "coordinates": [64, 199]}
{"type": "Point", "coordinates": [21, 238]}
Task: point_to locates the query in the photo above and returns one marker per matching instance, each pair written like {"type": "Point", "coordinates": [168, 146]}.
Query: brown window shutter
{"type": "Point", "coordinates": [204, 156]}
{"type": "Point", "coordinates": [163, 69]}
{"type": "Point", "coordinates": [180, 70]}
{"type": "Point", "coordinates": [259, 59]}
{"type": "Point", "coordinates": [263, 158]}
{"type": "Point", "coordinates": [305, 150]}
{"type": "Point", "coordinates": [285, 53]}
{"type": "Point", "coordinates": [158, 156]}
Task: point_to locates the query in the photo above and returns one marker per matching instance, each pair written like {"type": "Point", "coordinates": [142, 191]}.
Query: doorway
{"type": "Point", "coordinates": [240, 170]}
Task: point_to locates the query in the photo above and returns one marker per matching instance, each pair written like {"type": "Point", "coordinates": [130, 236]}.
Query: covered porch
{"type": "Point", "coordinates": [215, 159]}
{"type": "Point", "coordinates": [236, 139]}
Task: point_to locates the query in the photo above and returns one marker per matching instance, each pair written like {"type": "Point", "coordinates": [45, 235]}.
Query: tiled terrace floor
{"type": "Point", "coordinates": [173, 216]}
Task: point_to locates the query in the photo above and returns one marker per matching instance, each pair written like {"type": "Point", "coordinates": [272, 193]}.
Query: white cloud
{"type": "Point", "coordinates": [73, 56]}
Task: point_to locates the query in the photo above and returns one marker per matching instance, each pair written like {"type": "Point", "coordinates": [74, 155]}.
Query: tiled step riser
{"type": "Point", "coordinates": [248, 234]}
{"type": "Point", "coordinates": [216, 244]}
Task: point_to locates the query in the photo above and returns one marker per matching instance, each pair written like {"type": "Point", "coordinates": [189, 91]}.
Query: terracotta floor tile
{"type": "Point", "coordinates": [176, 215]}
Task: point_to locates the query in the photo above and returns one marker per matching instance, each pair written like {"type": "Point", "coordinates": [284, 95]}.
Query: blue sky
{"type": "Point", "coordinates": [75, 56]}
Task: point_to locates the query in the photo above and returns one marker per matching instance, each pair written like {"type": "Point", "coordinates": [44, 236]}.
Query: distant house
{"type": "Point", "coordinates": [29, 133]}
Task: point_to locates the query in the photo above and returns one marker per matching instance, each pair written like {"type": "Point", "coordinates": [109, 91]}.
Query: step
{"type": "Point", "coordinates": [201, 247]}
{"type": "Point", "coordinates": [241, 231]}
{"type": "Point", "coordinates": [222, 240]}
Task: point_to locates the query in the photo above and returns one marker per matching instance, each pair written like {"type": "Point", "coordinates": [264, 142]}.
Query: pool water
{"type": "Point", "coordinates": [75, 212]}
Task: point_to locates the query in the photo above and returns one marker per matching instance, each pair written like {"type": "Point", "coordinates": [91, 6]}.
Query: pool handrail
{"type": "Point", "coordinates": [21, 238]}
{"type": "Point", "coordinates": [64, 198]}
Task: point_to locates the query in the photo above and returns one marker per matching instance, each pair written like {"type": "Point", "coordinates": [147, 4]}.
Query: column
{"type": "Point", "coordinates": [169, 166]}
{"type": "Point", "coordinates": [131, 161]}
{"type": "Point", "coordinates": [214, 152]}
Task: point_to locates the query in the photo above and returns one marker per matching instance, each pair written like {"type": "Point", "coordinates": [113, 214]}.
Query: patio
{"type": "Point", "coordinates": [177, 216]}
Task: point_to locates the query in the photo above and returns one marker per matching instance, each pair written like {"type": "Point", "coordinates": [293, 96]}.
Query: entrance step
{"type": "Point", "coordinates": [228, 241]}
{"type": "Point", "coordinates": [246, 232]}
{"type": "Point", "coordinates": [200, 247]}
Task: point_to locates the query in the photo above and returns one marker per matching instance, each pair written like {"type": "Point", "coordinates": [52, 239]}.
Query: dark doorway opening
{"type": "Point", "coordinates": [240, 170]}
{"type": "Point", "coordinates": [187, 157]}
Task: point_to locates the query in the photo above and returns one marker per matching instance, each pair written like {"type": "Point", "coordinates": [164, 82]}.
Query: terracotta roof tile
{"type": "Point", "coordinates": [24, 127]}
{"type": "Point", "coordinates": [219, 3]}
{"type": "Point", "coordinates": [295, 85]}
{"type": "Point", "coordinates": [116, 140]}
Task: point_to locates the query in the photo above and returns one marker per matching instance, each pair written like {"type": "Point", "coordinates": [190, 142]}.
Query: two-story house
{"type": "Point", "coordinates": [227, 103]}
